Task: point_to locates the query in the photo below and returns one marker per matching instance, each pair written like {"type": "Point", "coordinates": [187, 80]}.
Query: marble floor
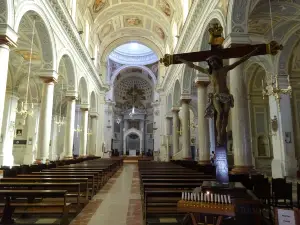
{"type": "Point", "coordinates": [117, 203]}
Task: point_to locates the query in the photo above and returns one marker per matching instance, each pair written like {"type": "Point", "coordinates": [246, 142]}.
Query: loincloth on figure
{"type": "Point", "coordinates": [221, 98]}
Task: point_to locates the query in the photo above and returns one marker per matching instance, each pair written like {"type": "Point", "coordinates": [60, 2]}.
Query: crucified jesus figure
{"type": "Point", "coordinates": [220, 100]}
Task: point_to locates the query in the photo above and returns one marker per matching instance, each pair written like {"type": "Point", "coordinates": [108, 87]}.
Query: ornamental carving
{"type": "Point", "coordinates": [165, 7]}
{"type": "Point", "coordinates": [99, 5]}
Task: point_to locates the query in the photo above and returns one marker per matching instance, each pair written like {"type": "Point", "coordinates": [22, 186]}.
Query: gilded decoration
{"type": "Point", "coordinates": [26, 55]}
{"type": "Point", "coordinates": [165, 7]}
{"type": "Point", "coordinates": [99, 5]}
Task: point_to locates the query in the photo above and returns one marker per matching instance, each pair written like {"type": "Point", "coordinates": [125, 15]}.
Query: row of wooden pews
{"type": "Point", "coordinates": [59, 191]}
{"type": "Point", "coordinates": [162, 185]}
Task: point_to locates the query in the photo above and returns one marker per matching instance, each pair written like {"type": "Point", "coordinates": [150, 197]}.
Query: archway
{"type": "Point", "coordinates": [135, 143]}
{"type": "Point", "coordinates": [259, 117]}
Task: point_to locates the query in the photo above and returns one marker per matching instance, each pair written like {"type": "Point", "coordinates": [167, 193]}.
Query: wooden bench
{"type": "Point", "coordinates": [84, 185]}
{"type": "Point", "coordinates": [25, 207]}
{"type": "Point", "coordinates": [91, 180]}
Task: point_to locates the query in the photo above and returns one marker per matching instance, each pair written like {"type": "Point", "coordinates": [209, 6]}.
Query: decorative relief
{"type": "Point", "coordinates": [165, 7]}
{"type": "Point", "coordinates": [160, 32]}
{"type": "Point", "coordinates": [99, 5]}
{"type": "Point", "coordinates": [133, 21]}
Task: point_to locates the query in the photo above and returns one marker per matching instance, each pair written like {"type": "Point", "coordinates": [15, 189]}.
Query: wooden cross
{"type": "Point", "coordinates": [225, 53]}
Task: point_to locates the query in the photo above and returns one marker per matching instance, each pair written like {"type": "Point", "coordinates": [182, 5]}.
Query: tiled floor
{"type": "Point", "coordinates": [117, 203]}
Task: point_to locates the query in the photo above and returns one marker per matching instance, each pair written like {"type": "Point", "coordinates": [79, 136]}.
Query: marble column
{"type": "Point", "coordinates": [240, 123]}
{"type": "Point", "coordinates": [8, 38]}
{"type": "Point", "coordinates": [168, 134]}
{"type": "Point", "coordinates": [32, 123]}
{"type": "Point", "coordinates": [186, 134]}
{"type": "Point", "coordinates": [7, 130]}
{"type": "Point", "coordinates": [55, 130]}
{"type": "Point", "coordinates": [84, 126]}
{"type": "Point", "coordinates": [284, 163]}
{"type": "Point", "coordinates": [93, 137]}
{"type": "Point", "coordinates": [203, 131]}
{"type": "Point", "coordinates": [175, 127]}
{"type": "Point", "coordinates": [45, 113]}
{"type": "Point", "coordinates": [142, 129]}
{"type": "Point", "coordinates": [69, 127]}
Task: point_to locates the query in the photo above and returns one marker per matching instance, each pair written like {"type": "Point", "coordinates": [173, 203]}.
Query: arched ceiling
{"type": "Point", "coordinates": [115, 19]}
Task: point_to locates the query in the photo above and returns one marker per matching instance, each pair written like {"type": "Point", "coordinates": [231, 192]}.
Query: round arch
{"type": "Point", "coordinates": [176, 94]}
{"type": "Point", "coordinates": [83, 91]}
{"type": "Point", "coordinates": [215, 16]}
{"type": "Point", "coordinates": [133, 131]}
{"type": "Point", "coordinates": [7, 12]}
{"type": "Point", "coordinates": [120, 41]}
{"type": "Point", "coordinates": [237, 17]}
{"type": "Point", "coordinates": [93, 105]}
{"type": "Point", "coordinates": [44, 31]}
{"type": "Point", "coordinates": [187, 80]}
{"type": "Point", "coordinates": [116, 73]}
{"type": "Point", "coordinates": [66, 62]}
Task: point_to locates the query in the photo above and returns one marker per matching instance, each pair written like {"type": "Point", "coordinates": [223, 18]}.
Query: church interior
{"type": "Point", "coordinates": [150, 112]}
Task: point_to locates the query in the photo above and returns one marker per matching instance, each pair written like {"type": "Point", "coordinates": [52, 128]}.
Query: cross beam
{"type": "Point", "coordinates": [225, 53]}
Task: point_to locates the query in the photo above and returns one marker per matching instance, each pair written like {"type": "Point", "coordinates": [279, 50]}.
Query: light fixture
{"type": "Point", "coordinates": [60, 120]}
{"type": "Point", "coordinates": [78, 128]}
{"type": "Point", "coordinates": [25, 110]}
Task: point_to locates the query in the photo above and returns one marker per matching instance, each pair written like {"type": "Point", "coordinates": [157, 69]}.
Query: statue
{"type": "Point", "coordinates": [220, 100]}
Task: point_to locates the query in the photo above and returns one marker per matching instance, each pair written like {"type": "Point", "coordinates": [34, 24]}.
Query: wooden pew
{"type": "Point", "coordinates": [91, 180]}
{"type": "Point", "coordinates": [25, 207]}
{"type": "Point", "coordinates": [84, 185]}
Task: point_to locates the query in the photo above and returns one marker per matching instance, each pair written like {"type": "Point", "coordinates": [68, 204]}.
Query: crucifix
{"type": "Point", "coordinates": [220, 101]}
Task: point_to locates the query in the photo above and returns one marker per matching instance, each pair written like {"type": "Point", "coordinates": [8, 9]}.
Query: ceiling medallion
{"type": "Point", "coordinates": [160, 32]}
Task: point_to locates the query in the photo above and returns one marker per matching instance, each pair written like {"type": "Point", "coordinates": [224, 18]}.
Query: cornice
{"type": "Point", "coordinates": [197, 13]}
{"type": "Point", "coordinates": [70, 29]}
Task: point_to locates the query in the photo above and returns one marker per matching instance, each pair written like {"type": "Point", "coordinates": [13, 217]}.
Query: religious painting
{"type": "Point", "coordinates": [99, 5]}
{"type": "Point", "coordinates": [165, 7]}
{"type": "Point", "coordinates": [19, 132]}
{"type": "Point", "coordinates": [133, 21]}
{"type": "Point", "coordinates": [160, 32]}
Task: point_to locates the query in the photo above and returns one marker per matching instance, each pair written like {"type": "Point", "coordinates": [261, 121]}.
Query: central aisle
{"type": "Point", "coordinates": [117, 203]}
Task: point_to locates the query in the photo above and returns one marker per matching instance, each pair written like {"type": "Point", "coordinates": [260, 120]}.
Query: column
{"type": "Point", "coordinates": [45, 114]}
{"type": "Point", "coordinates": [203, 131]}
{"type": "Point", "coordinates": [69, 127]}
{"type": "Point", "coordinates": [94, 120]}
{"type": "Point", "coordinates": [175, 128]}
{"type": "Point", "coordinates": [168, 134]}
{"type": "Point", "coordinates": [186, 136]}
{"type": "Point", "coordinates": [54, 133]}
{"type": "Point", "coordinates": [142, 128]}
{"type": "Point", "coordinates": [7, 130]}
{"type": "Point", "coordinates": [240, 123]}
{"type": "Point", "coordinates": [32, 123]}
{"type": "Point", "coordinates": [84, 126]}
{"type": "Point", "coordinates": [8, 38]}
{"type": "Point", "coordinates": [284, 163]}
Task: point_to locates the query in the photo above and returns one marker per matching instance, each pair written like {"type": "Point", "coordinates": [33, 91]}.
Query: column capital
{"type": "Point", "coordinates": [185, 100]}
{"type": "Point", "coordinates": [50, 76]}
{"type": "Point", "coordinates": [71, 95]}
{"type": "Point", "coordinates": [84, 107]}
{"type": "Point", "coordinates": [94, 114]}
{"type": "Point", "coordinates": [8, 36]}
{"type": "Point", "coordinates": [175, 109]}
{"type": "Point", "coordinates": [202, 82]}
{"type": "Point", "coordinates": [236, 38]}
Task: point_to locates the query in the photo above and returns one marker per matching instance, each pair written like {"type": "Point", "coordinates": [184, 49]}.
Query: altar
{"type": "Point", "coordinates": [132, 152]}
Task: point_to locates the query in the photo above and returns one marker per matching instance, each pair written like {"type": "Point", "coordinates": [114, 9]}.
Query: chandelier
{"type": "Point", "coordinates": [27, 108]}
{"type": "Point", "coordinates": [60, 120]}
{"type": "Point", "coordinates": [133, 109]}
{"type": "Point", "coordinates": [273, 89]}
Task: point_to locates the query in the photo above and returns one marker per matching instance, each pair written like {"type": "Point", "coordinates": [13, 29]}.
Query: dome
{"type": "Point", "coordinates": [133, 53]}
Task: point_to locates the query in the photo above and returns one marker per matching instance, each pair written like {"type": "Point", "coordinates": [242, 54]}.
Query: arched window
{"type": "Point", "coordinates": [175, 34]}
